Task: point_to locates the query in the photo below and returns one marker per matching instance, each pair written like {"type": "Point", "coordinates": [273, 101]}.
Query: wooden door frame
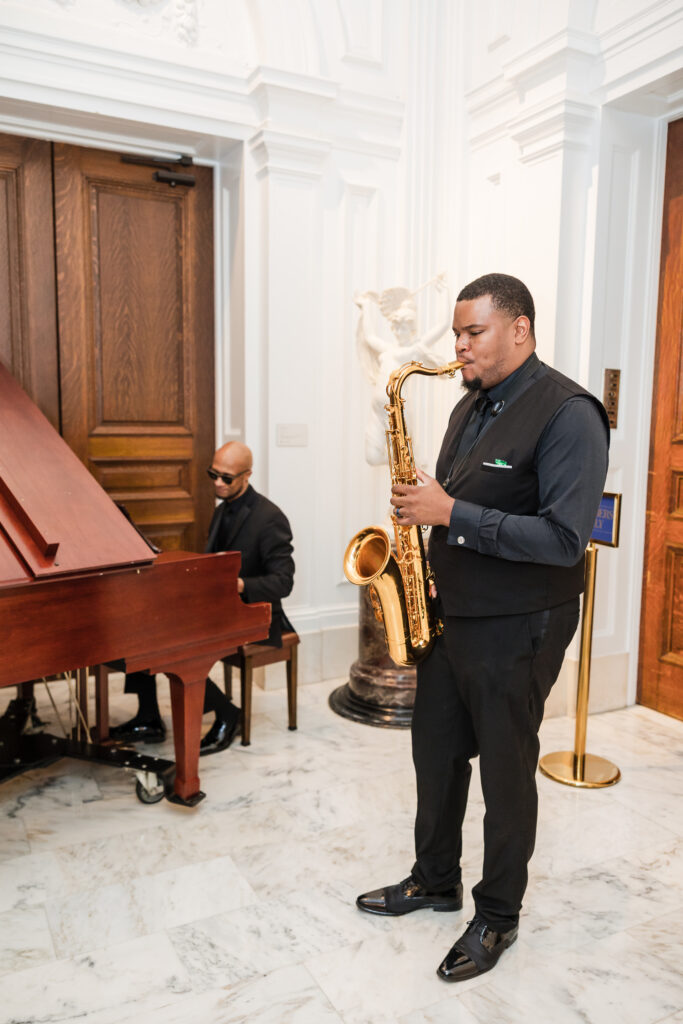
{"type": "Point", "coordinates": [651, 313]}
{"type": "Point", "coordinates": [648, 557]}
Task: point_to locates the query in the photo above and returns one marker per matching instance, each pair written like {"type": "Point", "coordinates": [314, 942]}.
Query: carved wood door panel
{"type": "Point", "coordinates": [28, 328]}
{"type": "Point", "coordinates": [135, 317]}
{"type": "Point", "coordinates": [660, 682]}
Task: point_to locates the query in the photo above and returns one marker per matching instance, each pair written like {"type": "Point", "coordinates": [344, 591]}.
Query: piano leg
{"type": "Point", "coordinates": [83, 719]}
{"type": "Point", "coordinates": [187, 707]}
{"type": "Point", "coordinates": [102, 702]}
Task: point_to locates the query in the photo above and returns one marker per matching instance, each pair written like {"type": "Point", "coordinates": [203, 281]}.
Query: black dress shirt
{"type": "Point", "coordinates": [229, 511]}
{"type": "Point", "coordinates": [571, 463]}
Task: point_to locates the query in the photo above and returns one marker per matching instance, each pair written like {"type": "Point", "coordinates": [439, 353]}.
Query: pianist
{"type": "Point", "coordinates": [247, 522]}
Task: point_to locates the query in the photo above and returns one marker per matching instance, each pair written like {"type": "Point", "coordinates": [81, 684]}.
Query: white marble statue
{"type": "Point", "coordinates": [379, 356]}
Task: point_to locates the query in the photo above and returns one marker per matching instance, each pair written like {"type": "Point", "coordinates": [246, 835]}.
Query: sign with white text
{"type": "Point", "coordinates": [606, 527]}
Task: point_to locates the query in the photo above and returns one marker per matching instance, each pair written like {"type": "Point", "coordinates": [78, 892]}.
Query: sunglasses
{"type": "Point", "coordinates": [227, 478]}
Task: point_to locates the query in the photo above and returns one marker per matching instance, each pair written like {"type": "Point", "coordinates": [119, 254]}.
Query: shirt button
{"type": "Point", "coordinates": [461, 540]}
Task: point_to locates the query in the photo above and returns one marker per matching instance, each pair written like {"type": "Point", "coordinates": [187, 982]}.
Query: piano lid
{"type": "Point", "coordinates": [55, 518]}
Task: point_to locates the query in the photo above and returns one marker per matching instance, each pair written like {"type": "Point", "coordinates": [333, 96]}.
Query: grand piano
{"type": "Point", "coordinates": [79, 587]}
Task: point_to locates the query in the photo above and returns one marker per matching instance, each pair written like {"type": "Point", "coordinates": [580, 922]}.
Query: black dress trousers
{"type": "Point", "coordinates": [481, 692]}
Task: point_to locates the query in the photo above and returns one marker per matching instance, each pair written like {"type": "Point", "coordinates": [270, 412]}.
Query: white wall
{"type": "Point", "coordinates": [366, 143]}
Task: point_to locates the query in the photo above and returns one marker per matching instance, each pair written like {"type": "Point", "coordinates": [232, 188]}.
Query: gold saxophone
{"type": "Point", "coordinates": [399, 584]}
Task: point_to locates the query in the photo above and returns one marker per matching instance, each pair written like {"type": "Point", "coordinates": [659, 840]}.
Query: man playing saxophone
{"type": "Point", "coordinates": [512, 505]}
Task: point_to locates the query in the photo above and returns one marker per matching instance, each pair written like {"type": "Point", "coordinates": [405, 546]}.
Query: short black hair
{"type": "Point", "coordinates": [508, 295]}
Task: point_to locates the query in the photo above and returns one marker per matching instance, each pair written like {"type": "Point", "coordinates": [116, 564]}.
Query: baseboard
{"type": "Point", "coordinates": [608, 686]}
{"type": "Point", "coordinates": [323, 654]}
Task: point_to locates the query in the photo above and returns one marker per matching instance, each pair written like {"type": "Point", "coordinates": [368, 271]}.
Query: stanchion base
{"type": "Point", "coordinates": [562, 767]}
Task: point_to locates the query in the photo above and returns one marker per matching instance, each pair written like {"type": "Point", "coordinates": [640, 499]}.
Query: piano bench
{"type": "Point", "coordinates": [251, 656]}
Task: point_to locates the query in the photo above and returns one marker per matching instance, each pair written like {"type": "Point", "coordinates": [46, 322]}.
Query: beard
{"type": "Point", "coordinates": [472, 385]}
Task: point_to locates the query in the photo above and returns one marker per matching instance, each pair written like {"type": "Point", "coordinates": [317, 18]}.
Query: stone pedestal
{"type": "Point", "coordinates": [379, 692]}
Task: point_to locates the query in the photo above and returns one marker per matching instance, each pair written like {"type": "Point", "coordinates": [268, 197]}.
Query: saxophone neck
{"type": "Point", "coordinates": [398, 377]}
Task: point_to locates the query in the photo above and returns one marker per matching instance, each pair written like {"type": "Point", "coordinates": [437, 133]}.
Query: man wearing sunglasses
{"type": "Point", "coordinates": [247, 522]}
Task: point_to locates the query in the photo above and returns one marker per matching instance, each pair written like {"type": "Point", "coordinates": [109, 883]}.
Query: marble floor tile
{"type": "Point", "coordinates": [662, 936]}
{"type": "Point", "coordinates": [59, 825]}
{"type": "Point", "coordinates": [393, 973]}
{"type": "Point", "coordinates": [243, 909]}
{"type": "Point", "coordinates": [592, 833]}
{"type": "Point", "coordinates": [13, 839]}
{"type": "Point", "coordinates": [25, 940]}
{"type": "Point", "coordinates": [91, 920]}
{"type": "Point", "coordinates": [126, 981]}
{"type": "Point", "coordinates": [595, 902]}
{"type": "Point", "coordinates": [271, 934]}
{"type": "Point", "coordinates": [346, 854]}
{"type": "Point", "coordinates": [110, 914]}
{"type": "Point", "coordinates": [289, 996]}
{"type": "Point", "coordinates": [446, 1011]}
{"type": "Point", "coordinates": [601, 982]}
{"type": "Point", "coordinates": [29, 881]}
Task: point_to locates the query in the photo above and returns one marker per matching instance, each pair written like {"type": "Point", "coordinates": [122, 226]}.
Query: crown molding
{"type": "Point", "coordinates": [93, 79]}
{"type": "Point", "coordinates": [554, 127]}
{"type": "Point", "coordinates": [286, 153]}
{"type": "Point", "coordinates": [568, 53]}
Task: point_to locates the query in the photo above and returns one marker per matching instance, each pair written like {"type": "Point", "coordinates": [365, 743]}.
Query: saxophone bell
{"type": "Point", "coordinates": [370, 562]}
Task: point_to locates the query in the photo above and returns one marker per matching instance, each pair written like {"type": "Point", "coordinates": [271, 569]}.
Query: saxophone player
{"type": "Point", "coordinates": [512, 505]}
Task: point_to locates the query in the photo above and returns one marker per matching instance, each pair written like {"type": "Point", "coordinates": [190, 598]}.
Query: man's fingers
{"type": "Point", "coordinates": [423, 477]}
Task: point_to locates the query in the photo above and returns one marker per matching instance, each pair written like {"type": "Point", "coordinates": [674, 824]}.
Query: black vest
{"type": "Point", "coordinates": [471, 584]}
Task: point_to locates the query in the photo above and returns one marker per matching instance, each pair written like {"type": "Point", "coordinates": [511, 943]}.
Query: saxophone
{"type": "Point", "coordinates": [399, 584]}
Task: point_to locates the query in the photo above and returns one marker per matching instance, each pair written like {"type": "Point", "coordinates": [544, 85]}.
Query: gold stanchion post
{"type": "Point", "coordinates": [577, 768]}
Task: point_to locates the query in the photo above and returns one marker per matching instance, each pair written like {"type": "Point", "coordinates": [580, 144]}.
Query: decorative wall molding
{"type": "Point", "coordinates": [569, 54]}
{"type": "Point", "coordinates": [185, 21]}
{"type": "Point", "coordinates": [362, 27]}
{"type": "Point", "coordinates": [285, 153]}
{"type": "Point", "coordinates": [552, 128]}
{"type": "Point", "coordinates": [369, 124]}
{"type": "Point", "coordinates": [663, 16]}
{"type": "Point", "coordinates": [185, 17]}
{"type": "Point", "coordinates": [266, 83]}
{"type": "Point", "coordinates": [82, 56]}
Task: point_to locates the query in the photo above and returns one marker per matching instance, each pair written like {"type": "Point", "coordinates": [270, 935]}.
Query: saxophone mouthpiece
{"type": "Point", "coordinates": [449, 369]}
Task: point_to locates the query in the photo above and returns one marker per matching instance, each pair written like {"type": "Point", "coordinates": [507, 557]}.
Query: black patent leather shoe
{"type": "Point", "coordinates": [220, 736]}
{"type": "Point", "coordinates": [406, 896]}
{"type": "Point", "coordinates": [476, 951]}
{"type": "Point", "coordinates": [137, 731]}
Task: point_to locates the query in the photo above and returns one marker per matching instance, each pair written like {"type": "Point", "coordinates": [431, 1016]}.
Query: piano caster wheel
{"type": "Point", "coordinates": [150, 795]}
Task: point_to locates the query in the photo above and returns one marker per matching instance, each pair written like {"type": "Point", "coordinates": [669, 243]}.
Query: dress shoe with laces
{"type": "Point", "coordinates": [476, 951]}
{"type": "Point", "coordinates": [135, 730]}
{"type": "Point", "coordinates": [220, 736]}
{"type": "Point", "coordinates": [406, 896]}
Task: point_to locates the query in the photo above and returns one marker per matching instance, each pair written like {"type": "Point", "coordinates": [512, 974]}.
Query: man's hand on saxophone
{"type": "Point", "coordinates": [426, 505]}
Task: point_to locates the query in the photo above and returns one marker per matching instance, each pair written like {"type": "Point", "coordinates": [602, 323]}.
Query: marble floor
{"type": "Point", "coordinates": [242, 910]}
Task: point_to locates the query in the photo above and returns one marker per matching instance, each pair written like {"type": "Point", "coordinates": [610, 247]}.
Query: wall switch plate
{"type": "Point", "coordinates": [291, 435]}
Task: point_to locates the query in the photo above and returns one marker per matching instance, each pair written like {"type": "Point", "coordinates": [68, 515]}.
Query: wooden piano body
{"type": "Point", "coordinates": [80, 587]}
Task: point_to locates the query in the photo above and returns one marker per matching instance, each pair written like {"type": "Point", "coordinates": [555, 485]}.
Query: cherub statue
{"type": "Point", "coordinates": [379, 357]}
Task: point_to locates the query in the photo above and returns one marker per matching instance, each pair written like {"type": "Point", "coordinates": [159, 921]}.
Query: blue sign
{"type": "Point", "coordinates": [606, 527]}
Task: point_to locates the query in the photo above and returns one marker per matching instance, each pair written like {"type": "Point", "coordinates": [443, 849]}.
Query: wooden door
{"type": "Point", "coordinates": [28, 328]}
{"type": "Point", "coordinates": [660, 681]}
{"type": "Point", "coordinates": [135, 317]}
